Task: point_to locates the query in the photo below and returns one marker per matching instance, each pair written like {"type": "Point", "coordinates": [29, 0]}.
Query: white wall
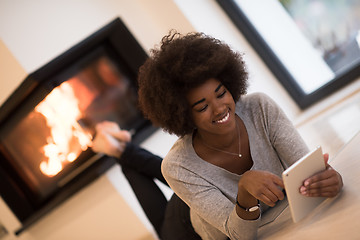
{"type": "Point", "coordinates": [37, 31]}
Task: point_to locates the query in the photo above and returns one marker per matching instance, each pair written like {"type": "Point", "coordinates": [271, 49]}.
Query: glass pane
{"type": "Point", "coordinates": [316, 40]}
{"type": "Point", "coordinates": [49, 139]}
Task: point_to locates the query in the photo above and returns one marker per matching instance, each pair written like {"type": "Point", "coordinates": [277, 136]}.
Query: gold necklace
{"type": "Point", "coordinates": [231, 153]}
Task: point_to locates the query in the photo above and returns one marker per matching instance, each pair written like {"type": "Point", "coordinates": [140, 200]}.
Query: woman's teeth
{"type": "Point", "coordinates": [224, 119]}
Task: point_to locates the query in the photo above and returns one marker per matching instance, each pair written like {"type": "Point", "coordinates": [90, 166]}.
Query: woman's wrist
{"type": "Point", "coordinates": [247, 206]}
{"type": "Point", "coordinates": [249, 209]}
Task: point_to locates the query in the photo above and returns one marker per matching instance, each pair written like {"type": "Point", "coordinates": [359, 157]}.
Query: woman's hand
{"type": "Point", "coordinates": [262, 185]}
{"type": "Point", "coordinates": [327, 183]}
{"type": "Point", "coordinates": [113, 129]}
{"type": "Point", "coordinates": [110, 139]}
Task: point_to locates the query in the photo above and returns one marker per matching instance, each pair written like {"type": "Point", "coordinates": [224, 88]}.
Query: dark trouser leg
{"type": "Point", "coordinates": [150, 197]}
{"type": "Point", "coordinates": [177, 224]}
{"type": "Point", "coordinates": [141, 167]}
{"type": "Point", "coordinates": [142, 161]}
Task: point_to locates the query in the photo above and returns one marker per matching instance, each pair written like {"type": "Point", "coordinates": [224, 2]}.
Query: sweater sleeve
{"type": "Point", "coordinates": [282, 134]}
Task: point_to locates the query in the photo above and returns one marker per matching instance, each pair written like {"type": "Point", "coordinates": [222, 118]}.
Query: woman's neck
{"type": "Point", "coordinates": [220, 141]}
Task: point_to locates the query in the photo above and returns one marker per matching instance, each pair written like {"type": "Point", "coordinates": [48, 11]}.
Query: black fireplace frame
{"type": "Point", "coordinates": [123, 45]}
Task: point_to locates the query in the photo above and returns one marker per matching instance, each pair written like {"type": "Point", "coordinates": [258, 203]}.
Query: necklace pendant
{"type": "Point", "coordinates": [240, 155]}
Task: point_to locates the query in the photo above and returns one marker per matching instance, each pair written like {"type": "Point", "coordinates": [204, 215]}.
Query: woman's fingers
{"type": "Point", "coordinates": [270, 197]}
{"type": "Point", "coordinates": [122, 135]}
{"type": "Point", "coordinates": [326, 158]}
{"type": "Point", "coordinates": [113, 129]}
{"type": "Point", "coordinates": [330, 191]}
{"type": "Point", "coordinates": [106, 143]}
{"type": "Point", "coordinates": [327, 183]}
{"type": "Point", "coordinates": [264, 186]}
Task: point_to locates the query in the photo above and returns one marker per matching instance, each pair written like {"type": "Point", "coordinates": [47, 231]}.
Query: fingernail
{"type": "Point", "coordinates": [302, 190]}
{"type": "Point", "coordinates": [306, 183]}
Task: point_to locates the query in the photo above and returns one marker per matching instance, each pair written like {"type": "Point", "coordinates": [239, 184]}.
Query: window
{"type": "Point", "coordinates": [311, 46]}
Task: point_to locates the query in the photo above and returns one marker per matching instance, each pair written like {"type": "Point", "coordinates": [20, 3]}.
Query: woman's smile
{"type": "Point", "coordinates": [224, 119]}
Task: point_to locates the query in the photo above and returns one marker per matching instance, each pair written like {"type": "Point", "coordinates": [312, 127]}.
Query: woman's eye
{"type": "Point", "coordinates": [222, 94]}
{"type": "Point", "coordinates": [203, 108]}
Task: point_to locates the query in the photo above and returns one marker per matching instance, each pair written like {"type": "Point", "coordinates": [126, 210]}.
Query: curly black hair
{"type": "Point", "coordinates": [184, 62]}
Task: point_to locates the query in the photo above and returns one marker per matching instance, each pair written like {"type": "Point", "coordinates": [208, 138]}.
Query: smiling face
{"type": "Point", "coordinates": [212, 108]}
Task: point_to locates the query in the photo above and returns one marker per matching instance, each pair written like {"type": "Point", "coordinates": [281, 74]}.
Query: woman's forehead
{"type": "Point", "coordinates": [210, 86]}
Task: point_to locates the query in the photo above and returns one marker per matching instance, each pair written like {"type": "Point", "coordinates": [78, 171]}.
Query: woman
{"type": "Point", "coordinates": [232, 147]}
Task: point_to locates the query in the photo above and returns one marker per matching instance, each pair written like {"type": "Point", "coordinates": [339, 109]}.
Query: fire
{"type": "Point", "coordinates": [61, 111]}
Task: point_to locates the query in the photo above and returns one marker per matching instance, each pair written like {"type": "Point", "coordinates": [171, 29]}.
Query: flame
{"type": "Point", "coordinates": [61, 111]}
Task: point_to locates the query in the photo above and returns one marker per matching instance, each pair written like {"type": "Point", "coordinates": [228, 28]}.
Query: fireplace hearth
{"type": "Point", "coordinates": [47, 124]}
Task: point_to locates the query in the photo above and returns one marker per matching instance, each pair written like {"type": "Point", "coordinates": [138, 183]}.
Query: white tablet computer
{"type": "Point", "coordinates": [294, 176]}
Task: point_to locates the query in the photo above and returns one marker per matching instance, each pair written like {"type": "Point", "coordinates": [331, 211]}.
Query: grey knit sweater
{"type": "Point", "coordinates": [210, 191]}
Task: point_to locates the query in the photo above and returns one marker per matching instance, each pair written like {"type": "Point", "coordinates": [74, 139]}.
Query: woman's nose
{"type": "Point", "coordinates": [218, 108]}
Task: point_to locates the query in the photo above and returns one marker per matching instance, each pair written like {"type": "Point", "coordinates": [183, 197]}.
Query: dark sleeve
{"type": "Point", "coordinates": [142, 161]}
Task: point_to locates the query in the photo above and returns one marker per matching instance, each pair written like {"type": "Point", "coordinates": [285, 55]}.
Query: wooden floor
{"type": "Point", "coordinates": [334, 126]}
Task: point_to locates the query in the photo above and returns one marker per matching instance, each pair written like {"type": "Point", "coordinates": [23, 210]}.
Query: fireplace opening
{"type": "Point", "coordinates": [48, 123]}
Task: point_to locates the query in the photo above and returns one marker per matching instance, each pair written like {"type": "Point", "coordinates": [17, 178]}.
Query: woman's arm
{"type": "Point", "coordinates": [114, 142]}
{"type": "Point", "coordinates": [213, 207]}
{"type": "Point", "coordinates": [110, 139]}
{"type": "Point", "coordinates": [288, 143]}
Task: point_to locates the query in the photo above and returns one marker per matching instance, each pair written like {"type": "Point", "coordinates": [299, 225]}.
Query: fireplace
{"type": "Point", "coordinates": [47, 124]}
